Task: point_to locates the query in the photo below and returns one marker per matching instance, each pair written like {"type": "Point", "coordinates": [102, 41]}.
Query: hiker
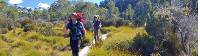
{"type": "Point", "coordinates": [79, 17]}
{"type": "Point", "coordinates": [76, 28]}
{"type": "Point", "coordinates": [96, 27]}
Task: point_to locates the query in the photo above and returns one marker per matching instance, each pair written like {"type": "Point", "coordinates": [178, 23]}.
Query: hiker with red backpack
{"type": "Point", "coordinates": [79, 17]}
{"type": "Point", "coordinates": [77, 30]}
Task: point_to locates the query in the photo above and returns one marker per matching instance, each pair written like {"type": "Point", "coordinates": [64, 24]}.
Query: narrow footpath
{"type": "Point", "coordinates": [85, 50]}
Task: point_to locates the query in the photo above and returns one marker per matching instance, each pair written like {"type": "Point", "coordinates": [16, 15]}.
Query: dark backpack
{"type": "Point", "coordinates": [81, 24]}
{"type": "Point", "coordinates": [75, 29]}
{"type": "Point", "coordinates": [96, 23]}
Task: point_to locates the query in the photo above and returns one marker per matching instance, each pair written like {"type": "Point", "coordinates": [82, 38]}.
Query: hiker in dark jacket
{"type": "Point", "coordinates": [76, 28]}
{"type": "Point", "coordinates": [96, 27]}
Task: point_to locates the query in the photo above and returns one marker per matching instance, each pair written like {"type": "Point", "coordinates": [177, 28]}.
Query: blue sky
{"type": "Point", "coordinates": [39, 3]}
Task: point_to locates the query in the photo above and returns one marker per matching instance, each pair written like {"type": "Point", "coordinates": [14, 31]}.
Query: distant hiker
{"type": "Point", "coordinates": [76, 28]}
{"type": "Point", "coordinates": [96, 27]}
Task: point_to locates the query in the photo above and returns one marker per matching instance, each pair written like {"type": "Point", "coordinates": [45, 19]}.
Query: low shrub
{"type": "Point", "coordinates": [26, 24]}
{"type": "Point", "coordinates": [142, 45]}
{"type": "Point", "coordinates": [116, 22]}
{"type": "Point", "coordinates": [9, 24]}
{"type": "Point", "coordinates": [46, 28]}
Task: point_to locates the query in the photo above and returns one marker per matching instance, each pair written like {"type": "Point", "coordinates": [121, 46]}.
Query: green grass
{"type": "Point", "coordinates": [19, 43]}
{"type": "Point", "coordinates": [117, 42]}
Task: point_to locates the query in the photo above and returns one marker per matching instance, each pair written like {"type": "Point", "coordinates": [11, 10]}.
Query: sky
{"type": "Point", "coordinates": [45, 4]}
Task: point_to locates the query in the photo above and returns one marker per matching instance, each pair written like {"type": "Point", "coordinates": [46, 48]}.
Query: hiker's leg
{"type": "Point", "coordinates": [95, 35]}
{"type": "Point", "coordinates": [82, 42]}
{"type": "Point", "coordinates": [98, 34]}
{"type": "Point", "coordinates": [77, 47]}
{"type": "Point", "coordinates": [72, 44]}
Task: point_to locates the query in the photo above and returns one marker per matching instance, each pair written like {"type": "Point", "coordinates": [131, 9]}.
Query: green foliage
{"type": "Point", "coordinates": [2, 4]}
{"type": "Point", "coordinates": [36, 14]}
{"type": "Point", "coordinates": [112, 10]}
{"type": "Point", "coordinates": [12, 12]}
{"type": "Point", "coordinates": [102, 12]}
{"type": "Point", "coordinates": [89, 10]}
{"type": "Point", "coordinates": [129, 12]}
{"type": "Point", "coordinates": [60, 9]}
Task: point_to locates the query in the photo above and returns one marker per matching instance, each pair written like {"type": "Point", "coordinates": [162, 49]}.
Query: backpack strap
{"type": "Point", "coordinates": [80, 26]}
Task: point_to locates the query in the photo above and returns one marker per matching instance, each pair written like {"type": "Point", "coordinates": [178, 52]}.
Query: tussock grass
{"type": "Point", "coordinates": [33, 43]}
{"type": "Point", "coordinates": [19, 43]}
{"type": "Point", "coordinates": [118, 41]}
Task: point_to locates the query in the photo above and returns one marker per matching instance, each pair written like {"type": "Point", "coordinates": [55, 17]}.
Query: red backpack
{"type": "Point", "coordinates": [79, 16]}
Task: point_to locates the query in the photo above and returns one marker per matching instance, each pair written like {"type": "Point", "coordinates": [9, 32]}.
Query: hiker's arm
{"type": "Point", "coordinates": [100, 25]}
{"type": "Point", "coordinates": [83, 28]}
{"type": "Point", "coordinates": [84, 31]}
{"type": "Point", "coordinates": [65, 30]}
{"type": "Point", "coordinates": [92, 24]}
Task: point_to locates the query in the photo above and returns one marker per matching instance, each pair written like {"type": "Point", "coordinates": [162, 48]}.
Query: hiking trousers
{"type": "Point", "coordinates": [96, 35]}
{"type": "Point", "coordinates": [75, 46]}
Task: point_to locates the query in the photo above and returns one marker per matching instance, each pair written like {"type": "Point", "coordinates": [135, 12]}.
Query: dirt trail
{"type": "Point", "coordinates": [85, 50]}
